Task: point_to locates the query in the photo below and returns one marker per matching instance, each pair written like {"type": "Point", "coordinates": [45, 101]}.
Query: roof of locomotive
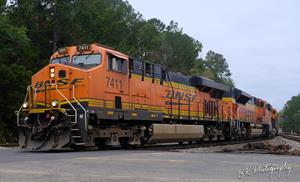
{"type": "Point", "coordinates": [179, 78]}
{"type": "Point", "coordinates": [72, 50]}
{"type": "Point", "coordinates": [205, 83]}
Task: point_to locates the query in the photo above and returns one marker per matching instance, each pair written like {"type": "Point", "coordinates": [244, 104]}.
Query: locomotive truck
{"type": "Point", "coordinates": [91, 95]}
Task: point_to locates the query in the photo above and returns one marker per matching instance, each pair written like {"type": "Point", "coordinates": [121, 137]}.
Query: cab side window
{"type": "Point", "coordinates": [138, 67]}
{"type": "Point", "coordinates": [163, 74]}
{"type": "Point", "coordinates": [148, 69]}
{"type": "Point", "coordinates": [117, 64]}
{"type": "Point", "coordinates": [157, 71]}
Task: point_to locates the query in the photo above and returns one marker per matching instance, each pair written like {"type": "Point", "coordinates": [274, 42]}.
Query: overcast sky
{"type": "Point", "coordinates": [259, 38]}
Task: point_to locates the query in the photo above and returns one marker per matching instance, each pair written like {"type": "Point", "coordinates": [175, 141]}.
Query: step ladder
{"type": "Point", "coordinates": [76, 134]}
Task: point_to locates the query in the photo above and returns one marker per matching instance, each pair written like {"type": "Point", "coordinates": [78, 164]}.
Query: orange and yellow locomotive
{"type": "Point", "coordinates": [92, 95]}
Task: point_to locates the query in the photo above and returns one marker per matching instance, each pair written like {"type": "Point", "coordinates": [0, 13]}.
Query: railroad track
{"type": "Point", "coordinates": [175, 146]}
{"type": "Point", "coordinates": [172, 146]}
{"type": "Point", "coordinates": [291, 137]}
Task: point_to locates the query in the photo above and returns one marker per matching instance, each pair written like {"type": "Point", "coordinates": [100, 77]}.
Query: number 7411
{"type": "Point", "coordinates": [114, 83]}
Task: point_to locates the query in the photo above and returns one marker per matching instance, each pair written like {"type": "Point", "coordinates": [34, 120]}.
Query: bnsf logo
{"type": "Point", "coordinates": [181, 96]}
{"type": "Point", "coordinates": [61, 82]}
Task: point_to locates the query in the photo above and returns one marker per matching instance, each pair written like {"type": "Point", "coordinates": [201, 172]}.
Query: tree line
{"type": "Point", "coordinates": [290, 115]}
{"type": "Point", "coordinates": [31, 30]}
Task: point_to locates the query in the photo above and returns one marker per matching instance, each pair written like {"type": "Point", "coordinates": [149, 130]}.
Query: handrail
{"type": "Point", "coordinates": [18, 112]}
{"type": "Point", "coordinates": [30, 99]}
{"type": "Point", "coordinates": [226, 113]}
{"type": "Point", "coordinates": [85, 117]}
{"type": "Point", "coordinates": [173, 92]}
{"type": "Point", "coordinates": [235, 116]}
{"type": "Point", "coordinates": [61, 94]}
{"type": "Point", "coordinates": [35, 91]}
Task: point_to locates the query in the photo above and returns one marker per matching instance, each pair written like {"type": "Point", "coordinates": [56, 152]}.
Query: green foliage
{"type": "Point", "coordinates": [14, 46]}
{"type": "Point", "coordinates": [166, 45]}
{"type": "Point", "coordinates": [181, 50]}
{"type": "Point", "coordinates": [2, 6]}
{"type": "Point", "coordinates": [13, 84]}
{"type": "Point", "coordinates": [30, 31]}
{"type": "Point", "coordinates": [199, 68]}
{"type": "Point", "coordinates": [214, 66]}
{"type": "Point", "coordinates": [13, 42]}
{"type": "Point", "coordinates": [291, 115]}
{"type": "Point", "coordinates": [219, 68]}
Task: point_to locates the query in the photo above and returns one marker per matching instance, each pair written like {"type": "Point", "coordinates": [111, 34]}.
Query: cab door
{"type": "Point", "coordinates": [116, 83]}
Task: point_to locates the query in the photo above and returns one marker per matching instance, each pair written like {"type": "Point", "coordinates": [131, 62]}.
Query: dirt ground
{"type": "Point", "coordinates": [277, 145]}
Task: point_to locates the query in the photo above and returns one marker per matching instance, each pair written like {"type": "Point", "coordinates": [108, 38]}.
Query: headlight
{"type": "Point", "coordinates": [52, 72]}
{"type": "Point", "coordinates": [25, 105]}
{"type": "Point", "coordinates": [54, 103]}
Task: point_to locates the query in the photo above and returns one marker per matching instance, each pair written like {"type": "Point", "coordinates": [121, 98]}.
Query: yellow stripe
{"type": "Point", "coordinates": [34, 111]}
{"type": "Point", "coordinates": [128, 106]}
{"type": "Point", "coordinates": [110, 104]}
{"type": "Point", "coordinates": [167, 83]}
{"type": "Point", "coordinates": [95, 105]}
{"type": "Point", "coordinates": [39, 103]}
{"type": "Point", "coordinates": [110, 112]}
{"type": "Point", "coordinates": [228, 99]}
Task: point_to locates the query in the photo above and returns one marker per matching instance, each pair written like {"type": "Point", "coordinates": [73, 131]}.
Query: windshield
{"type": "Point", "coordinates": [62, 60]}
{"type": "Point", "coordinates": [87, 59]}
